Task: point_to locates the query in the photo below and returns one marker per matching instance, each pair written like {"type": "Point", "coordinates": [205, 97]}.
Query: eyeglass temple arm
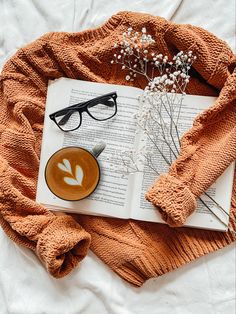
{"type": "Point", "coordinates": [66, 117]}
{"type": "Point", "coordinates": [95, 101]}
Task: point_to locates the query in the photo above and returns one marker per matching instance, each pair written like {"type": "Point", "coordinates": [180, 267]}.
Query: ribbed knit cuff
{"type": "Point", "coordinates": [62, 245]}
{"type": "Point", "coordinates": [173, 199]}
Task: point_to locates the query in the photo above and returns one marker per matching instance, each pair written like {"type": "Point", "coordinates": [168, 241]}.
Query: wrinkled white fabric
{"type": "Point", "coordinates": [204, 286]}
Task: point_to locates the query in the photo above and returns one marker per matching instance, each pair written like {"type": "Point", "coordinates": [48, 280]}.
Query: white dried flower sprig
{"type": "Point", "coordinates": [134, 55]}
{"type": "Point", "coordinates": [173, 75]}
{"type": "Point", "coordinates": [162, 97]}
{"type": "Point", "coordinates": [132, 52]}
{"type": "Point", "coordinates": [160, 103]}
{"type": "Point", "coordinates": [127, 161]}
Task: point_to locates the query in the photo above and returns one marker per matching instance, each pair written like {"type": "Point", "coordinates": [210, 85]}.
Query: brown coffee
{"type": "Point", "coordinates": [72, 173]}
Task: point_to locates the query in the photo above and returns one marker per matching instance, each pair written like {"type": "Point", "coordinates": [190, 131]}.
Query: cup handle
{"type": "Point", "coordinates": [98, 149]}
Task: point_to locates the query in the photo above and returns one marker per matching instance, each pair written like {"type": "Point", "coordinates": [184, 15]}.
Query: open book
{"type": "Point", "coordinates": [116, 195]}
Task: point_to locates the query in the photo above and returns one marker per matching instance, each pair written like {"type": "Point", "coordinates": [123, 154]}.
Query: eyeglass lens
{"type": "Point", "coordinates": [102, 110]}
{"type": "Point", "coordinates": [68, 121]}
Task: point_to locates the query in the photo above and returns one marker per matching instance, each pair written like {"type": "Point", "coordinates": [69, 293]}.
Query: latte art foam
{"type": "Point", "coordinates": [72, 173]}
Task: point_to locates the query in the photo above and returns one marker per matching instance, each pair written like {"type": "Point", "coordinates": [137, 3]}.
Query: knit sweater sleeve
{"type": "Point", "coordinates": [59, 241]}
{"type": "Point", "coordinates": [209, 147]}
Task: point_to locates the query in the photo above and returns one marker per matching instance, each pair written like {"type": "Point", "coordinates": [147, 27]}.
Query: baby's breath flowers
{"type": "Point", "coordinates": [173, 75]}
{"type": "Point", "coordinates": [135, 53]}
{"type": "Point", "coordinates": [160, 104]}
{"type": "Point", "coordinates": [167, 79]}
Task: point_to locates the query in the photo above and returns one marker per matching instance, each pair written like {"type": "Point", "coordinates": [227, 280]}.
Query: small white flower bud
{"type": "Point", "coordinates": [127, 77]}
{"type": "Point", "coordinates": [144, 30]}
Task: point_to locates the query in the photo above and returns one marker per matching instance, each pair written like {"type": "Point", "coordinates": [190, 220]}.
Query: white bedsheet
{"type": "Point", "coordinates": [204, 286]}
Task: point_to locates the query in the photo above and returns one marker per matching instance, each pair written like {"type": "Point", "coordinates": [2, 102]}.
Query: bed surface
{"type": "Point", "coordinates": [204, 286]}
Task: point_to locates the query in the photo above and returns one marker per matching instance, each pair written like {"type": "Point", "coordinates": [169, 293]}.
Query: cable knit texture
{"type": "Point", "coordinates": [135, 250]}
{"type": "Point", "coordinates": [173, 199]}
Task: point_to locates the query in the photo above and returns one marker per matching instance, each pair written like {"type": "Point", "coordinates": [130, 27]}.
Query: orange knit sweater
{"type": "Point", "coordinates": [134, 250]}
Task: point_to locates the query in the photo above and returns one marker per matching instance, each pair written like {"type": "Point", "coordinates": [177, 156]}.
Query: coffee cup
{"type": "Point", "coordinates": [73, 173]}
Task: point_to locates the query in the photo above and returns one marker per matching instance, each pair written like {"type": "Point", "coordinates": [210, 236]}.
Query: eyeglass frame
{"type": "Point", "coordinates": [83, 106]}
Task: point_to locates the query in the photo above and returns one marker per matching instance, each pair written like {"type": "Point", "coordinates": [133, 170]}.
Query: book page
{"type": "Point", "coordinates": [220, 191]}
{"type": "Point", "coordinates": [111, 198]}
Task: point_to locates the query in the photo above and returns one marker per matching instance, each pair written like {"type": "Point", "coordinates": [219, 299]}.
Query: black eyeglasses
{"type": "Point", "coordinates": [100, 108]}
